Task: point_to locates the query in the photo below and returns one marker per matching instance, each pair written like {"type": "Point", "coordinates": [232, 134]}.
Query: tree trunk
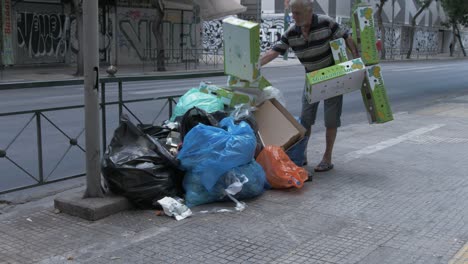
{"type": "Point", "coordinates": [78, 10]}
{"type": "Point", "coordinates": [460, 40]}
{"type": "Point", "coordinates": [413, 26]}
{"type": "Point", "coordinates": [453, 42]}
{"type": "Point", "coordinates": [382, 28]}
{"type": "Point", "coordinates": [158, 32]}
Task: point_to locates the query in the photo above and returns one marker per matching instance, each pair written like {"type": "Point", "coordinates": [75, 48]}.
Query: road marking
{"type": "Point", "coordinates": [389, 143]}
{"type": "Point", "coordinates": [416, 68]}
{"type": "Point", "coordinates": [461, 257]}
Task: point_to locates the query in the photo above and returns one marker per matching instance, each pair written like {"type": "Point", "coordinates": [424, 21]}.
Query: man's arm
{"type": "Point", "coordinates": [352, 46]}
{"type": "Point", "coordinates": [268, 56]}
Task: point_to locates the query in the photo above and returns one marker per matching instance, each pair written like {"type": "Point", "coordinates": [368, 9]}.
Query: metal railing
{"type": "Point", "coordinates": [41, 116]}
{"type": "Point", "coordinates": [417, 53]}
{"type": "Point", "coordinates": [190, 58]}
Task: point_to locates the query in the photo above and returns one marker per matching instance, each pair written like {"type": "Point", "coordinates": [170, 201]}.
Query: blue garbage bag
{"type": "Point", "coordinates": [297, 152]}
{"type": "Point", "coordinates": [210, 152]}
{"type": "Point", "coordinates": [251, 175]}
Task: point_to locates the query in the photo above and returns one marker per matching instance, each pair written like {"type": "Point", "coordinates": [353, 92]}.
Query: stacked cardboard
{"type": "Point", "coordinates": [334, 80]}
{"type": "Point", "coordinates": [241, 49]}
{"type": "Point", "coordinates": [373, 90]}
{"type": "Point", "coordinates": [338, 47]}
{"type": "Point", "coordinates": [245, 83]}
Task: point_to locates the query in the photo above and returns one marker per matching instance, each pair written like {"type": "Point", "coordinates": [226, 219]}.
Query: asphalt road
{"type": "Point", "coordinates": [410, 86]}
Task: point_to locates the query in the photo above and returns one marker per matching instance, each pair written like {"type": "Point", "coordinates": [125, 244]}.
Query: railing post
{"type": "Point", "coordinates": [120, 99]}
{"type": "Point", "coordinates": [103, 116]}
{"type": "Point", "coordinates": [39, 147]}
{"type": "Point", "coordinates": [170, 106]}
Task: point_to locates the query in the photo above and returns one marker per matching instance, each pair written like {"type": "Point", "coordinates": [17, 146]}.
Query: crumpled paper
{"type": "Point", "coordinates": [174, 208]}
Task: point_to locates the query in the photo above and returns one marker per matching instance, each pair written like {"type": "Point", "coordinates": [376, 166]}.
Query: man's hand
{"type": "Point", "coordinates": [352, 46]}
{"type": "Point", "coordinates": [268, 56]}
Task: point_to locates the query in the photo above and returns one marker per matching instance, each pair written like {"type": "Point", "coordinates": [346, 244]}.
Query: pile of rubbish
{"type": "Point", "coordinates": [208, 151]}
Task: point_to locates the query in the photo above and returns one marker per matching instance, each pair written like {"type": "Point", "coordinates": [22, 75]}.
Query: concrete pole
{"type": "Point", "coordinates": [91, 85]}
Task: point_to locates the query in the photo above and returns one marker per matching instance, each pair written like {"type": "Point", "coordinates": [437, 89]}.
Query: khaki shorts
{"type": "Point", "coordinates": [332, 112]}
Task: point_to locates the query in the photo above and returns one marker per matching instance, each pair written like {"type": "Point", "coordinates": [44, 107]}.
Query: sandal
{"type": "Point", "coordinates": [323, 166]}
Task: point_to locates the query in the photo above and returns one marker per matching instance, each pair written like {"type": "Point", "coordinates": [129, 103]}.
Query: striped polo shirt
{"type": "Point", "coordinates": [315, 52]}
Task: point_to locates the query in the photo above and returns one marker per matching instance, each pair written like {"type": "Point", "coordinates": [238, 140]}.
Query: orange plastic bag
{"type": "Point", "coordinates": [280, 171]}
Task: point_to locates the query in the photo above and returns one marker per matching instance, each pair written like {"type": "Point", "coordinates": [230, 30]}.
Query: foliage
{"type": "Point", "coordinates": [457, 11]}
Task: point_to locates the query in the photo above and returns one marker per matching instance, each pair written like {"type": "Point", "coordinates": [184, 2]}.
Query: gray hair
{"type": "Point", "coordinates": [305, 3]}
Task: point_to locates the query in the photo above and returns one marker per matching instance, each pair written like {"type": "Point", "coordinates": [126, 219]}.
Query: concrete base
{"type": "Point", "coordinates": [91, 209]}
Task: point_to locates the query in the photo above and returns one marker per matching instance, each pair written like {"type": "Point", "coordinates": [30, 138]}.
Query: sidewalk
{"type": "Point", "coordinates": [66, 72]}
{"type": "Point", "coordinates": [398, 194]}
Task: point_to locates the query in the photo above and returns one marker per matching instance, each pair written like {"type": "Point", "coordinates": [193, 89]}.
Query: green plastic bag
{"type": "Point", "coordinates": [194, 97]}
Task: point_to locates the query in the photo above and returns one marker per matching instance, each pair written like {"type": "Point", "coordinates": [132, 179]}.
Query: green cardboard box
{"type": "Point", "coordinates": [364, 34]}
{"type": "Point", "coordinates": [241, 48]}
{"type": "Point", "coordinates": [229, 98]}
{"type": "Point", "coordinates": [261, 83]}
{"type": "Point", "coordinates": [334, 80]}
{"type": "Point", "coordinates": [375, 96]}
{"type": "Point", "coordinates": [338, 47]}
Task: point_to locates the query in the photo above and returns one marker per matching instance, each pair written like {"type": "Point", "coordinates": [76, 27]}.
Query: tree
{"type": "Point", "coordinates": [77, 9]}
{"type": "Point", "coordinates": [158, 31]}
{"type": "Point", "coordinates": [381, 26]}
{"type": "Point", "coordinates": [457, 11]}
{"type": "Point", "coordinates": [424, 4]}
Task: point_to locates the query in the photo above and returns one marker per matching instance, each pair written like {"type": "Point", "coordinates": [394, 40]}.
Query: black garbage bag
{"type": "Point", "coordinates": [195, 116]}
{"type": "Point", "coordinates": [244, 112]}
{"type": "Point", "coordinates": [158, 132]}
{"type": "Point", "coordinates": [139, 167]}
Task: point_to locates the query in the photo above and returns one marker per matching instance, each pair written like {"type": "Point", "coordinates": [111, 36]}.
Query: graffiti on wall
{"type": "Point", "coordinates": [426, 40]}
{"type": "Point", "coordinates": [271, 29]}
{"type": "Point", "coordinates": [136, 41]}
{"type": "Point", "coordinates": [135, 32]}
{"type": "Point", "coordinates": [392, 38]}
{"type": "Point", "coordinates": [7, 31]}
{"type": "Point", "coordinates": [212, 35]}
{"type": "Point", "coordinates": [42, 35]}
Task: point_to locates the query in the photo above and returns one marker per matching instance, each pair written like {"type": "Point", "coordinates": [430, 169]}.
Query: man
{"type": "Point", "coordinates": [309, 38]}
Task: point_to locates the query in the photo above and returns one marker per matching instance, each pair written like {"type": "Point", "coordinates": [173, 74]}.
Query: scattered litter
{"type": "Point", "coordinates": [159, 212]}
{"type": "Point", "coordinates": [57, 211]}
{"type": "Point", "coordinates": [114, 258]}
{"type": "Point", "coordinates": [172, 207]}
{"type": "Point", "coordinates": [70, 258]}
{"type": "Point", "coordinates": [29, 219]}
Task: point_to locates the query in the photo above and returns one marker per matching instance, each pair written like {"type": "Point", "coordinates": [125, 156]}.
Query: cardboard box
{"type": "Point", "coordinates": [364, 34]}
{"type": "Point", "coordinates": [334, 80]}
{"type": "Point", "coordinates": [276, 126]}
{"type": "Point", "coordinates": [228, 97]}
{"type": "Point", "coordinates": [338, 47]}
{"type": "Point", "coordinates": [261, 83]}
{"type": "Point", "coordinates": [375, 96]}
{"type": "Point", "coordinates": [241, 48]}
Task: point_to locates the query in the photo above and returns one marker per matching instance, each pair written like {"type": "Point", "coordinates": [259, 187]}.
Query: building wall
{"type": "Point", "coordinates": [46, 33]}
{"type": "Point", "coordinates": [41, 33]}
{"type": "Point", "coordinates": [429, 35]}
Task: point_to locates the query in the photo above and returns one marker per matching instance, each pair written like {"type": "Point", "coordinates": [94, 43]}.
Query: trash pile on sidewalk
{"type": "Point", "coordinates": [233, 142]}
{"type": "Point", "coordinates": [206, 152]}
{"type": "Point", "coordinates": [221, 143]}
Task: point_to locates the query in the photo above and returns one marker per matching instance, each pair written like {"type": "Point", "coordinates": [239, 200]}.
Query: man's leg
{"type": "Point", "coordinates": [332, 113]}
{"type": "Point", "coordinates": [308, 114]}
{"type": "Point", "coordinates": [330, 141]}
